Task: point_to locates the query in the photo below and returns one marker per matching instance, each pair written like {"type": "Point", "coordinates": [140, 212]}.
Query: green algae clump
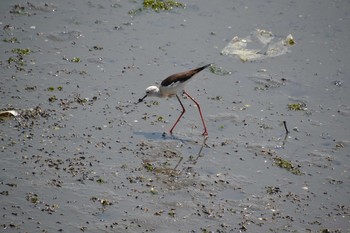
{"type": "Point", "coordinates": [158, 5]}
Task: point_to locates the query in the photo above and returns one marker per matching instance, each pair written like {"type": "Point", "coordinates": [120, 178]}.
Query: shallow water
{"type": "Point", "coordinates": [84, 157]}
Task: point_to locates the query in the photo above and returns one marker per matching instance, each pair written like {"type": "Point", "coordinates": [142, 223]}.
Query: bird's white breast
{"type": "Point", "coordinates": [172, 89]}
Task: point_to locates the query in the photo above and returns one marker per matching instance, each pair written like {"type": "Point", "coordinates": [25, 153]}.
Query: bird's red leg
{"type": "Point", "coordinates": [178, 119]}
{"type": "Point", "coordinates": [205, 133]}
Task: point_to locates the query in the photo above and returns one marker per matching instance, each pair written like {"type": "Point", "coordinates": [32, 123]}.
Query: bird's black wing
{"type": "Point", "coordinates": [182, 76]}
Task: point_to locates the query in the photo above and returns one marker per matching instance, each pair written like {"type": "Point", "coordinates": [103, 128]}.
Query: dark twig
{"type": "Point", "coordinates": [178, 163]}
{"type": "Point", "coordinates": [285, 127]}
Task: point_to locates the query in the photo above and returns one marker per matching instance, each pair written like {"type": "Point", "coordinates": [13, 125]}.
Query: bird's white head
{"type": "Point", "coordinates": [152, 91]}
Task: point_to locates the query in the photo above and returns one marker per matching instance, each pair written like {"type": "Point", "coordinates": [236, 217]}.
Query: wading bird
{"type": "Point", "coordinates": [172, 86]}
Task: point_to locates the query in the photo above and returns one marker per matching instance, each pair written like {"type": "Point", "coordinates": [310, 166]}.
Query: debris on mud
{"type": "Point", "coordinates": [265, 82]}
{"type": "Point", "coordinates": [272, 190]}
{"type": "Point", "coordinates": [103, 202]}
{"type": "Point", "coordinates": [277, 160]}
{"type": "Point", "coordinates": [261, 44]}
{"type": "Point", "coordinates": [7, 114]}
{"type": "Point", "coordinates": [70, 103]}
{"type": "Point", "coordinates": [11, 40]}
{"type": "Point", "coordinates": [25, 117]}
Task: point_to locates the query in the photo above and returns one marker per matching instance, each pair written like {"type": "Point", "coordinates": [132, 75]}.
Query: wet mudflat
{"type": "Point", "coordinates": [78, 155]}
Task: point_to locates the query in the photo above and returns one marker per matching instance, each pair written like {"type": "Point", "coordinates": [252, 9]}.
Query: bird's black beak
{"type": "Point", "coordinates": [141, 99]}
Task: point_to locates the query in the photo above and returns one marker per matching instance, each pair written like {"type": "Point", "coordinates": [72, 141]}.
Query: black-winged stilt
{"type": "Point", "coordinates": [172, 86]}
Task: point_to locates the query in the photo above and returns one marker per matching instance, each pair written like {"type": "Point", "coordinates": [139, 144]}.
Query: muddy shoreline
{"type": "Point", "coordinates": [78, 155]}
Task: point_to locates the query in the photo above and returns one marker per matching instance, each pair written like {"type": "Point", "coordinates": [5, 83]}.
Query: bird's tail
{"type": "Point", "coordinates": [195, 71]}
{"type": "Point", "coordinates": [202, 68]}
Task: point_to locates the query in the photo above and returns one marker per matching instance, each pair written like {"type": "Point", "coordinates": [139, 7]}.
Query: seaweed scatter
{"type": "Point", "coordinates": [283, 163]}
{"type": "Point", "coordinates": [34, 199]}
{"type": "Point", "coordinates": [104, 202]}
{"type": "Point", "coordinates": [22, 52]}
{"type": "Point", "coordinates": [75, 59]}
{"type": "Point", "coordinates": [277, 160]}
{"type": "Point", "coordinates": [157, 6]}
{"type": "Point", "coordinates": [23, 9]}
{"type": "Point", "coordinates": [19, 60]}
{"type": "Point", "coordinates": [219, 70]}
{"type": "Point", "coordinates": [297, 107]}
{"type": "Point", "coordinates": [70, 103]}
